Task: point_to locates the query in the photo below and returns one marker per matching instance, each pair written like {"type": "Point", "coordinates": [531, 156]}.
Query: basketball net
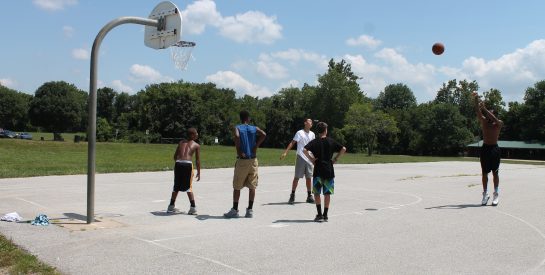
{"type": "Point", "coordinates": [181, 53]}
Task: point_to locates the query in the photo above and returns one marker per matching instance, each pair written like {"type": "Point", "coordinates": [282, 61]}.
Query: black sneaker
{"type": "Point", "coordinates": [310, 199]}
{"type": "Point", "coordinates": [325, 218]}
{"type": "Point", "coordinates": [292, 199]}
{"type": "Point", "coordinates": [319, 218]}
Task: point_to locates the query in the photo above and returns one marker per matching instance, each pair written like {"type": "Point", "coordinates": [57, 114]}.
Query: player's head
{"type": "Point", "coordinates": [308, 123]}
{"type": "Point", "coordinates": [192, 133]}
{"type": "Point", "coordinates": [321, 127]}
{"type": "Point", "coordinates": [244, 116]}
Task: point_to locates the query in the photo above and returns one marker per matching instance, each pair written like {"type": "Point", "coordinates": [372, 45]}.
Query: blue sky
{"type": "Point", "coordinates": [258, 47]}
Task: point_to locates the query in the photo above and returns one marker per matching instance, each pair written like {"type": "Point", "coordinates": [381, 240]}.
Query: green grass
{"type": "Point", "coordinates": [49, 136]}
{"type": "Point", "coordinates": [16, 261]}
{"type": "Point", "coordinates": [27, 158]}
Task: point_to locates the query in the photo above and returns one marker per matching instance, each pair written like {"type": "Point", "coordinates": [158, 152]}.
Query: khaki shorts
{"type": "Point", "coordinates": [245, 174]}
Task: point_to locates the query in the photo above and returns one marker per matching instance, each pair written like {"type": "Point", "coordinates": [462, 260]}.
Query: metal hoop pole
{"type": "Point", "coordinates": [92, 121]}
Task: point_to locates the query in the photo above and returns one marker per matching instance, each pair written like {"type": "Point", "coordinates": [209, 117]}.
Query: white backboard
{"type": "Point", "coordinates": [170, 31]}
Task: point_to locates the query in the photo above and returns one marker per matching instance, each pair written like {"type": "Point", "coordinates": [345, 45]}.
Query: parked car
{"type": "Point", "coordinates": [25, 136]}
{"type": "Point", "coordinates": [7, 134]}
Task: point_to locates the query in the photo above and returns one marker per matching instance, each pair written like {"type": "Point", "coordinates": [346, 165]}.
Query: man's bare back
{"type": "Point", "coordinates": [186, 149]}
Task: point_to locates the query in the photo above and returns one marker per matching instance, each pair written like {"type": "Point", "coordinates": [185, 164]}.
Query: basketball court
{"type": "Point", "coordinates": [416, 218]}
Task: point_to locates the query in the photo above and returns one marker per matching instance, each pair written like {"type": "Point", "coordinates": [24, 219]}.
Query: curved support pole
{"type": "Point", "coordinates": [92, 122]}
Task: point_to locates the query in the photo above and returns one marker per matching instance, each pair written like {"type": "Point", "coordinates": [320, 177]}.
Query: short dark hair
{"type": "Point", "coordinates": [321, 127]}
{"type": "Point", "coordinates": [244, 115]}
{"type": "Point", "coordinates": [191, 132]}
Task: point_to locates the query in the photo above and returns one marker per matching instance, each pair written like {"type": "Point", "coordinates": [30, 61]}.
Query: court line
{"type": "Point", "coordinates": [539, 232]}
{"type": "Point", "coordinates": [192, 255]}
{"type": "Point", "coordinates": [33, 203]}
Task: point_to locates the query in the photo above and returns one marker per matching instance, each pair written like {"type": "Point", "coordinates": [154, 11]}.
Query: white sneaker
{"type": "Point", "coordinates": [192, 211]}
{"type": "Point", "coordinates": [485, 198]}
{"type": "Point", "coordinates": [172, 209]}
{"type": "Point", "coordinates": [495, 200]}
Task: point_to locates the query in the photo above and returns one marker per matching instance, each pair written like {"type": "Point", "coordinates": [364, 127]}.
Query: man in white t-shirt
{"type": "Point", "coordinates": [303, 166]}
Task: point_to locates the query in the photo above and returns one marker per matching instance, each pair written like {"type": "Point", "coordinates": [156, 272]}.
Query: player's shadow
{"type": "Point", "coordinates": [454, 206]}
{"type": "Point", "coordinates": [208, 217]}
{"type": "Point", "coordinates": [293, 221]}
{"type": "Point", "coordinates": [282, 203]}
{"type": "Point", "coordinates": [164, 213]}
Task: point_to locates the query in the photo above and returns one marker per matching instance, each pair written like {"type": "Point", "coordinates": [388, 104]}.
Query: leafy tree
{"type": "Point", "coordinates": [336, 92]}
{"type": "Point", "coordinates": [512, 127]}
{"type": "Point", "coordinates": [58, 106]}
{"type": "Point", "coordinates": [533, 112]}
{"type": "Point", "coordinates": [105, 103]}
{"type": "Point", "coordinates": [13, 109]}
{"type": "Point", "coordinates": [364, 126]}
{"type": "Point", "coordinates": [167, 109]}
{"type": "Point", "coordinates": [447, 133]}
{"type": "Point", "coordinates": [396, 96]}
{"type": "Point", "coordinates": [459, 94]}
{"type": "Point", "coordinates": [104, 130]}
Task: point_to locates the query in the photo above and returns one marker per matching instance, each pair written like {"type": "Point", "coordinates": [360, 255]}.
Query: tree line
{"type": "Point", "coordinates": [392, 123]}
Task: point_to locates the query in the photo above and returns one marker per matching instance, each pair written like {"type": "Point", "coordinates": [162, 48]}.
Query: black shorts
{"type": "Point", "coordinates": [490, 158]}
{"type": "Point", "coordinates": [183, 176]}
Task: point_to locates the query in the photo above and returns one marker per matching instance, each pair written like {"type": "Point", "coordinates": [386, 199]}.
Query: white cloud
{"type": "Point", "coordinates": [118, 85]}
{"type": "Point", "coordinates": [81, 54]}
{"type": "Point", "coordinates": [68, 31]}
{"type": "Point", "coordinates": [271, 69]}
{"type": "Point", "coordinates": [146, 74]}
{"type": "Point", "coordinates": [200, 14]}
{"type": "Point", "coordinates": [392, 67]}
{"type": "Point", "coordinates": [248, 27]}
{"type": "Point", "coordinates": [291, 83]}
{"type": "Point", "coordinates": [8, 82]}
{"type": "Point", "coordinates": [297, 55]}
{"type": "Point", "coordinates": [54, 5]}
{"type": "Point", "coordinates": [232, 80]}
{"type": "Point", "coordinates": [364, 40]}
{"type": "Point", "coordinates": [511, 73]}
{"type": "Point", "coordinates": [251, 27]}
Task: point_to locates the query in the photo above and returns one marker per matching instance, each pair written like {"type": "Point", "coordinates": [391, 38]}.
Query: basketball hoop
{"type": "Point", "coordinates": [180, 52]}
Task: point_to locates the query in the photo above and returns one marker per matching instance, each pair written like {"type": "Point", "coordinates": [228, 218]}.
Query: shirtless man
{"type": "Point", "coordinates": [183, 170]}
{"type": "Point", "coordinates": [490, 151]}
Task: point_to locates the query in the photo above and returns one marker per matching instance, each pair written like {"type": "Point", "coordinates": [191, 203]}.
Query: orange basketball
{"type": "Point", "coordinates": [438, 48]}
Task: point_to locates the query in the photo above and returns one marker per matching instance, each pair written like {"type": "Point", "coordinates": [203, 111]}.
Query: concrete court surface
{"type": "Point", "coordinates": [415, 218]}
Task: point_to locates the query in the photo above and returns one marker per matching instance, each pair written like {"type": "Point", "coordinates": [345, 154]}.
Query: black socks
{"type": "Point", "coordinates": [235, 205]}
{"type": "Point", "coordinates": [250, 204]}
{"type": "Point", "coordinates": [319, 208]}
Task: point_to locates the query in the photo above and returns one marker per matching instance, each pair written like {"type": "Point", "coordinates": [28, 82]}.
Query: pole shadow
{"type": "Point", "coordinates": [294, 221]}
{"type": "Point", "coordinates": [454, 206]}
{"type": "Point", "coordinates": [208, 217]}
{"type": "Point", "coordinates": [164, 213]}
{"type": "Point", "coordinates": [282, 203]}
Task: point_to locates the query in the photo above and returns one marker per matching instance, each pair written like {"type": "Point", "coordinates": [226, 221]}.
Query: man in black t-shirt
{"type": "Point", "coordinates": [320, 152]}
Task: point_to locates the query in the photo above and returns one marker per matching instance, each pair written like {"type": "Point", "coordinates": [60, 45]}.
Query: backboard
{"type": "Point", "coordinates": [169, 30]}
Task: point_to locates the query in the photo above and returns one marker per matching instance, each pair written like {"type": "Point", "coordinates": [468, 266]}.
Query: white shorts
{"type": "Point", "coordinates": [302, 168]}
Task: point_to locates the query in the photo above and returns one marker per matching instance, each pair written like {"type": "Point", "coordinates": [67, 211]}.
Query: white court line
{"type": "Point", "coordinates": [159, 201]}
{"type": "Point", "coordinates": [192, 255]}
{"type": "Point", "coordinates": [33, 203]}
{"type": "Point", "coordinates": [539, 232]}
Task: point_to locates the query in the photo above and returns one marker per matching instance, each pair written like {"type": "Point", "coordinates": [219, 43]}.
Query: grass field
{"type": "Point", "coordinates": [27, 158]}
